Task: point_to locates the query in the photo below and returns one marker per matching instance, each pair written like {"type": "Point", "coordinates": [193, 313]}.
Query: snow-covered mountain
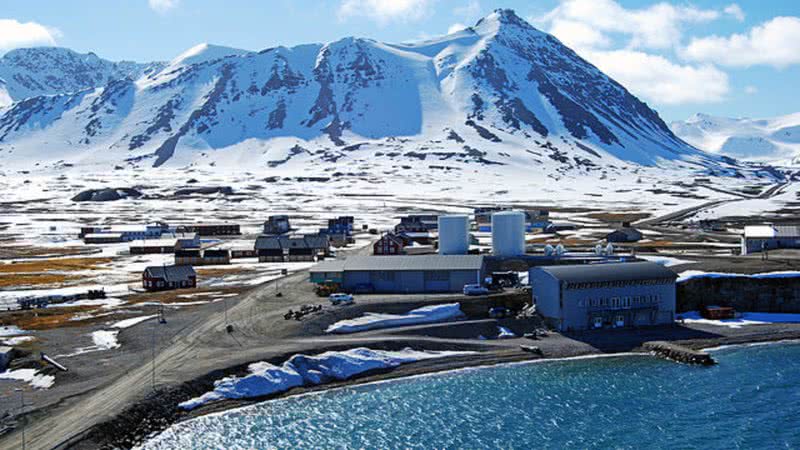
{"type": "Point", "coordinates": [774, 140]}
{"type": "Point", "coordinates": [31, 72]}
{"type": "Point", "coordinates": [500, 93]}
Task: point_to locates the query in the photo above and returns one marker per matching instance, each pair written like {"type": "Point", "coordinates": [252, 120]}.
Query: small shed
{"type": "Point", "coordinates": [6, 354]}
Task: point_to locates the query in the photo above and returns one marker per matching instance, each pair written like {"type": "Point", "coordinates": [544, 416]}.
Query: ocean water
{"type": "Point", "coordinates": [750, 400]}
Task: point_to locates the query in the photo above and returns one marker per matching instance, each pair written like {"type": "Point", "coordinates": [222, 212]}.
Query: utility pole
{"type": "Point", "coordinates": [153, 359]}
{"type": "Point", "coordinates": [22, 413]}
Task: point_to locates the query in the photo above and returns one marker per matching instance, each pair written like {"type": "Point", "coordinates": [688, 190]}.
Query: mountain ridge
{"type": "Point", "coordinates": [773, 140]}
{"type": "Point", "coordinates": [498, 93]}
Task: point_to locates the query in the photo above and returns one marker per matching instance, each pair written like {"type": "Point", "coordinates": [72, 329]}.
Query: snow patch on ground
{"type": "Point", "coordinates": [265, 378]}
{"type": "Point", "coordinates": [744, 319]}
{"type": "Point", "coordinates": [30, 376]}
{"type": "Point", "coordinates": [127, 323]}
{"type": "Point", "coordinates": [16, 340]}
{"type": "Point", "coordinates": [505, 333]}
{"type": "Point", "coordinates": [374, 321]}
{"type": "Point", "coordinates": [691, 274]}
{"type": "Point", "coordinates": [105, 339]}
{"type": "Point", "coordinates": [10, 330]}
{"type": "Point", "coordinates": [666, 261]}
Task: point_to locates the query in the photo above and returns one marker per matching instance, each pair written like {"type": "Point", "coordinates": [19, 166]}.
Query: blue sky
{"type": "Point", "coordinates": [720, 57]}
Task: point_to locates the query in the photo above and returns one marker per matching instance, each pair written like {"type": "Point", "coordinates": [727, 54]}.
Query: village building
{"type": "Point", "coordinates": [277, 225]}
{"type": "Point", "coordinates": [123, 233]}
{"type": "Point", "coordinates": [197, 257]}
{"type": "Point", "coordinates": [609, 295]}
{"type": "Point", "coordinates": [401, 244]}
{"type": "Point", "coordinates": [401, 274]}
{"type": "Point", "coordinates": [160, 278]}
{"type": "Point", "coordinates": [537, 219]}
{"type": "Point", "coordinates": [389, 244]}
{"type": "Point", "coordinates": [269, 249]}
{"type": "Point", "coordinates": [243, 252]}
{"type": "Point", "coordinates": [212, 229]}
{"type": "Point", "coordinates": [340, 225]}
{"type": "Point", "coordinates": [292, 248]}
{"type": "Point", "coordinates": [306, 248]}
{"type": "Point", "coordinates": [417, 223]}
{"type": "Point", "coordinates": [102, 238]}
{"type": "Point", "coordinates": [165, 244]}
{"type": "Point", "coordinates": [759, 238]}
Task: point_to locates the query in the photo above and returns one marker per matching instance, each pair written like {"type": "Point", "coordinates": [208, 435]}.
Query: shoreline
{"type": "Point", "coordinates": [124, 430]}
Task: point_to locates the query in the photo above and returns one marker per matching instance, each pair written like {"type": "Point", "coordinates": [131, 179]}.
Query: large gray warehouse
{"type": "Point", "coordinates": [401, 274]}
{"type": "Point", "coordinates": [612, 295]}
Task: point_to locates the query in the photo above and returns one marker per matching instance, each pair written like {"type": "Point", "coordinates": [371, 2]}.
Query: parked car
{"type": "Point", "coordinates": [499, 312]}
{"type": "Point", "coordinates": [475, 289]}
{"type": "Point", "coordinates": [340, 299]}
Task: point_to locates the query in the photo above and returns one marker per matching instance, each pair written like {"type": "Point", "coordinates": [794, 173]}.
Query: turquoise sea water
{"type": "Point", "coordinates": [750, 400]}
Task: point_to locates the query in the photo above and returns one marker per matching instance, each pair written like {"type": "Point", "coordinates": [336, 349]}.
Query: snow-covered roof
{"type": "Point", "coordinates": [759, 231]}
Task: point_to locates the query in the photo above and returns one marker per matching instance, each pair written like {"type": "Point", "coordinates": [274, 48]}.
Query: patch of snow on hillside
{"type": "Point", "coordinates": [744, 319]}
{"type": "Point", "coordinates": [373, 321]}
{"type": "Point", "coordinates": [266, 379]}
{"type": "Point", "coordinates": [30, 376]}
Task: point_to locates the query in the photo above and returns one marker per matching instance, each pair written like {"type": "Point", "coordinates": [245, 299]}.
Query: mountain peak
{"type": "Point", "coordinates": [502, 21]}
{"type": "Point", "coordinates": [204, 52]}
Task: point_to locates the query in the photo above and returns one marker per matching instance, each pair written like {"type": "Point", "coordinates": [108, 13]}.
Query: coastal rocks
{"type": "Point", "coordinates": [207, 190]}
{"type": "Point", "coordinates": [679, 353]}
{"type": "Point", "coordinates": [106, 195]}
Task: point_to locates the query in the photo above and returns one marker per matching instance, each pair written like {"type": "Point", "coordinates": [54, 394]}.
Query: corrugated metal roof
{"type": "Point", "coordinates": [171, 272]}
{"type": "Point", "coordinates": [579, 273]}
{"type": "Point", "coordinates": [315, 241]}
{"type": "Point", "coordinates": [771, 231]}
{"type": "Point", "coordinates": [421, 262]}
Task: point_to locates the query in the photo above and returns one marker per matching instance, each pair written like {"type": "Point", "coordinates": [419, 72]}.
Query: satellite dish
{"type": "Point", "coordinates": [560, 250]}
{"type": "Point", "coordinates": [598, 250]}
{"type": "Point", "coordinates": [548, 250]}
{"type": "Point", "coordinates": [609, 249]}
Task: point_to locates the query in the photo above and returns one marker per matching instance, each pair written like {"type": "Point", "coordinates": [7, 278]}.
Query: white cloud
{"type": "Point", "coordinates": [750, 90]}
{"type": "Point", "coordinates": [774, 43]}
{"type": "Point", "coordinates": [163, 6]}
{"type": "Point", "coordinates": [734, 11]}
{"type": "Point", "coordinates": [658, 26]}
{"type": "Point", "coordinates": [578, 35]}
{"type": "Point", "coordinates": [659, 80]}
{"type": "Point", "coordinates": [385, 11]}
{"type": "Point", "coordinates": [455, 27]}
{"type": "Point", "coordinates": [468, 11]}
{"type": "Point", "coordinates": [15, 34]}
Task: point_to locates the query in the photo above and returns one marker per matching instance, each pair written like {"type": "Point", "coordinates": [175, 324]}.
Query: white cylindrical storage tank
{"type": "Point", "coordinates": [508, 233]}
{"type": "Point", "coordinates": [453, 235]}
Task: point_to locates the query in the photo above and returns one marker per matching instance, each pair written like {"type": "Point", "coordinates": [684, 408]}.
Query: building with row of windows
{"type": "Point", "coordinates": [607, 295]}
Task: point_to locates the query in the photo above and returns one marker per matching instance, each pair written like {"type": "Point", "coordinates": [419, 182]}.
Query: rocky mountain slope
{"type": "Point", "coordinates": [774, 140]}
{"type": "Point", "coordinates": [31, 72]}
{"type": "Point", "coordinates": [498, 94]}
